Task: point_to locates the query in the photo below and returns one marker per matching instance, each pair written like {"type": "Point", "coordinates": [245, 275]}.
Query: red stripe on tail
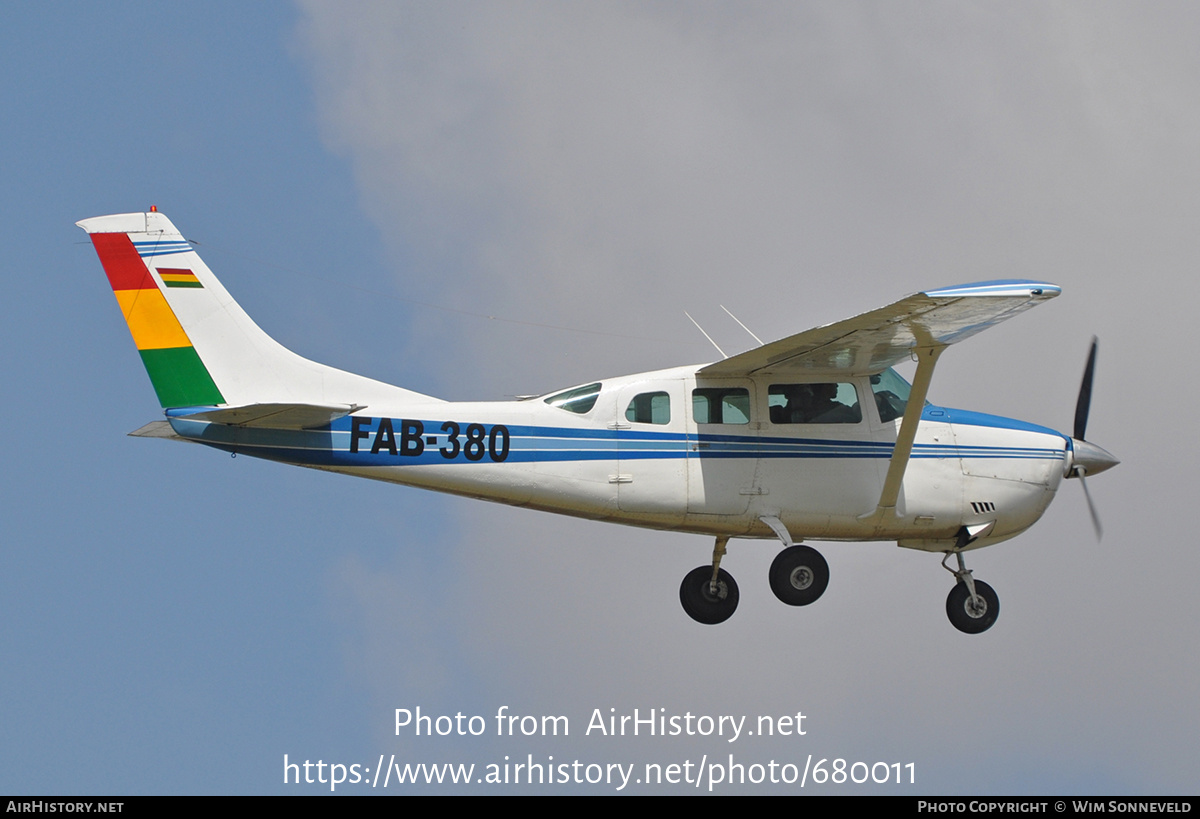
{"type": "Point", "coordinates": [122, 264]}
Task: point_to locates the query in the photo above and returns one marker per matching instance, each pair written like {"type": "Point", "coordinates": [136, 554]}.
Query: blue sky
{"type": "Point", "coordinates": [174, 621]}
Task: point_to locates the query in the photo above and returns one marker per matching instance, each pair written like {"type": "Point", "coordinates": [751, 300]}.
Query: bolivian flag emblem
{"type": "Point", "coordinates": [174, 277]}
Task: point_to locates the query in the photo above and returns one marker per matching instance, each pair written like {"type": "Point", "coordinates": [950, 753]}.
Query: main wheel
{"type": "Point", "coordinates": [972, 618]}
{"type": "Point", "coordinates": [799, 575]}
{"type": "Point", "coordinates": [699, 600]}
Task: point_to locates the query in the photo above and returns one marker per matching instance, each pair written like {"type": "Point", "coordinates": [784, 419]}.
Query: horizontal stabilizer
{"type": "Point", "coordinates": [156, 429]}
{"type": "Point", "coordinates": [270, 416]}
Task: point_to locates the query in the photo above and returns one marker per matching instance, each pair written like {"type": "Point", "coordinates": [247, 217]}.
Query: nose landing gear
{"type": "Point", "coordinates": [972, 605]}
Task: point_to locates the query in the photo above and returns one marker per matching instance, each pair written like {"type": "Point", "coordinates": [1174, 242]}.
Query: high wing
{"type": "Point", "coordinates": [919, 326]}
{"type": "Point", "coordinates": [871, 342]}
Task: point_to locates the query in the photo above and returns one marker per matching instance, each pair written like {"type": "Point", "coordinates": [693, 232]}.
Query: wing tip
{"type": "Point", "coordinates": [998, 287]}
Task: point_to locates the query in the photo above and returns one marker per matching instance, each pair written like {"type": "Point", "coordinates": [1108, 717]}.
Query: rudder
{"type": "Point", "coordinates": [179, 377]}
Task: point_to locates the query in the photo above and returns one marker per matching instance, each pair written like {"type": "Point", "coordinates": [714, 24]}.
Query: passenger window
{"type": "Point", "coordinates": [649, 408]}
{"type": "Point", "coordinates": [721, 405]}
{"type": "Point", "coordinates": [813, 404]}
{"type": "Point", "coordinates": [579, 400]}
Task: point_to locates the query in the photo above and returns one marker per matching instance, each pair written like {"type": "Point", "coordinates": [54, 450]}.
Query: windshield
{"type": "Point", "coordinates": [891, 394]}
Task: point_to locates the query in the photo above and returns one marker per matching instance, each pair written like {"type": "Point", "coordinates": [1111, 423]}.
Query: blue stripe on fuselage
{"type": "Point", "coordinates": [967, 418]}
{"type": "Point", "coordinates": [331, 445]}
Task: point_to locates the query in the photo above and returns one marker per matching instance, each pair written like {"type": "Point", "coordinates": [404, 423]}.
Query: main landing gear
{"type": "Point", "coordinates": [972, 605]}
{"type": "Point", "coordinates": [709, 594]}
{"type": "Point", "coordinates": [799, 575]}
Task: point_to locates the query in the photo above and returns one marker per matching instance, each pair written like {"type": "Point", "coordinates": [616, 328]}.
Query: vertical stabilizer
{"type": "Point", "coordinates": [198, 345]}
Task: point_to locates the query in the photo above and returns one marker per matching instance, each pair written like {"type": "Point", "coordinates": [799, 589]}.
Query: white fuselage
{"type": "Point", "coordinates": [667, 469]}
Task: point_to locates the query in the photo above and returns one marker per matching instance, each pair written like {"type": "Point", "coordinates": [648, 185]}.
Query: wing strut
{"type": "Point", "coordinates": [926, 359]}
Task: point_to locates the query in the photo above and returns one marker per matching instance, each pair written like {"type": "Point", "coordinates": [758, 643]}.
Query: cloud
{"type": "Point", "coordinates": [605, 166]}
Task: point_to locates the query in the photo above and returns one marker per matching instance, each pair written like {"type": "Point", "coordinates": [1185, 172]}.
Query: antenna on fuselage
{"type": "Point", "coordinates": [706, 335]}
{"type": "Point", "coordinates": [743, 326]}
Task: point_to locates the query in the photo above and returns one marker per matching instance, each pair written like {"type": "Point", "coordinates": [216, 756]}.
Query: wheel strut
{"type": "Point", "coordinates": [718, 553]}
{"type": "Point", "coordinates": [709, 595]}
{"type": "Point", "coordinates": [963, 575]}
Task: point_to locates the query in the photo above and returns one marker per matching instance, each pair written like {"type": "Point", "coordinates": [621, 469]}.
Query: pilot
{"type": "Point", "coordinates": [825, 410]}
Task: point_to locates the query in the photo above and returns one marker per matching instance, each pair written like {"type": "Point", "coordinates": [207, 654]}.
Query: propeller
{"type": "Point", "coordinates": [1087, 458]}
{"type": "Point", "coordinates": [1084, 404]}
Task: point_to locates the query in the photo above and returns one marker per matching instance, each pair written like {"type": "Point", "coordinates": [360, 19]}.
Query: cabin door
{"type": "Point", "coordinates": [723, 439]}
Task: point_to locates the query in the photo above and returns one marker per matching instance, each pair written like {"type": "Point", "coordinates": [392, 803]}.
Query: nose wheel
{"type": "Point", "coordinates": [972, 605]}
{"type": "Point", "coordinates": [972, 615]}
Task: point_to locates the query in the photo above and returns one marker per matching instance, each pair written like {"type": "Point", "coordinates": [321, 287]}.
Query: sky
{"type": "Point", "coordinates": [481, 200]}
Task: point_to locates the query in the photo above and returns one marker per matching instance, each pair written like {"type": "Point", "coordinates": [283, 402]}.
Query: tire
{"type": "Point", "coordinates": [799, 575]}
{"type": "Point", "coordinates": [967, 618]}
{"type": "Point", "coordinates": [700, 603]}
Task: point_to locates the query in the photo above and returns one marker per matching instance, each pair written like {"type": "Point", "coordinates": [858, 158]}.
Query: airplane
{"type": "Point", "coordinates": [814, 437]}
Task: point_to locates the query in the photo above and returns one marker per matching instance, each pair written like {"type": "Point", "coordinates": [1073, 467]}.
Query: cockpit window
{"type": "Point", "coordinates": [579, 400]}
{"type": "Point", "coordinates": [649, 408]}
{"type": "Point", "coordinates": [721, 405]}
{"type": "Point", "coordinates": [891, 394]}
{"type": "Point", "coordinates": [814, 404]}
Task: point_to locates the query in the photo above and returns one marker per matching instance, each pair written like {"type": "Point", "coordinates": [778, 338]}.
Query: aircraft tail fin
{"type": "Point", "coordinates": [199, 347]}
